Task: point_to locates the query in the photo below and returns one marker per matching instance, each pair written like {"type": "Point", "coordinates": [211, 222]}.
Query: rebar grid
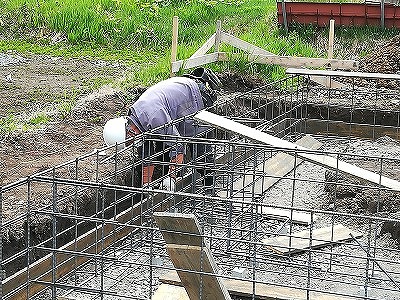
{"type": "Point", "coordinates": [87, 226]}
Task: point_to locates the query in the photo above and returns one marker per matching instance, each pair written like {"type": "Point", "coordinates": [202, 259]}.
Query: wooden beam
{"type": "Point", "coordinates": [297, 62]}
{"type": "Point", "coordinates": [343, 74]}
{"type": "Point", "coordinates": [320, 159]}
{"type": "Point", "coordinates": [194, 62]}
{"type": "Point", "coordinates": [205, 47]}
{"type": "Point", "coordinates": [174, 47]}
{"type": "Point", "coordinates": [177, 228]}
{"type": "Point", "coordinates": [327, 82]}
{"type": "Point", "coordinates": [261, 291]}
{"type": "Point", "coordinates": [170, 292]}
{"type": "Point", "coordinates": [300, 241]}
{"type": "Point", "coordinates": [197, 259]}
{"type": "Point", "coordinates": [243, 45]}
{"type": "Point", "coordinates": [331, 37]}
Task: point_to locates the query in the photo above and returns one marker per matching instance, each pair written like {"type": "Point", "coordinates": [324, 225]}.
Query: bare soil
{"type": "Point", "coordinates": [40, 83]}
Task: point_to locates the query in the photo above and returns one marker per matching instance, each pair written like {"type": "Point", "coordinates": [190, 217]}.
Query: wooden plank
{"type": "Point", "coordinates": [194, 62]}
{"type": "Point", "coordinates": [296, 62]}
{"type": "Point", "coordinates": [174, 47]}
{"type": "Point", "coordinates": [198, 259]}
{"type": "Point", "coordinates": [300, 241]}
{"type": "Point", "coordinates": [177, 228]}
{"type": "Point", "coordinates": [261, 291]}
{"type": "Point", "coordinates": [323, 160]}
{"type": "Point", "coordinates": [331, 37]}
{"type": "Point", "coordinates": [170, 292]}
{"type": "Point", "coordinates": [294, 216]}
{"type": "Point", "coordinates": [218, 36]}
{"type": "Point", "coordinates": [205, 47]}
{"type": "Point", "coordinates": [327, 82]}
{"type": "Point", "coordinates": [343, 74]}
{"type": "Point", "coordinates": [243, 45]}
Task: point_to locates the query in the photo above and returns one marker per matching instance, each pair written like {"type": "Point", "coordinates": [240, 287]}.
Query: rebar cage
{"type": "Point", "coordinates": [280, 226]}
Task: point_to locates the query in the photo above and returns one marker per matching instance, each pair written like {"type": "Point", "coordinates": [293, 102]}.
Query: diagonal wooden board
{"type": "Point", "coordinates": [300, 241]}
{"type": "Point", "coordinates": [321, 159]}
{"type": "Point", "coordinates": [197, 260]}
{"type": "Point", "coordinates": [274, 168]}
{"type": "Point", "coordinates": [177, 228]}
{"type": "Point", "coordinates": [187, 251]}
{"type": "Point", "coordinates": [245, 289]}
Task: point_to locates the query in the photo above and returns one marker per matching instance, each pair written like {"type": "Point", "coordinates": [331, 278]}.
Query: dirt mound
{"type": "Point", "coordinates": [385, 58]}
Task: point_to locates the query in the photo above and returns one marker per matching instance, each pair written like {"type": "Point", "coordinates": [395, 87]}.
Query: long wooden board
{"type": "Point", "coordinates": [197, 259]}
{"type": "Point", "coordinates": [194, 62]}
{"type": "Point", "coordinates": [323, 160]}
{"type": "Point", "coordinates": [177, 228]}
{"type": "Point", "coordinates": [300, 242]}
{"type": "Point", "coordinates": [297, 62]}
{"type": "Point", "coordinates": [205, 47]}
{"type": "Point", "coordinates": [243, 45]}
{"type": "Point", "coordinates": [343, 74]}
{"type": "Point", "coordinates": [261, 291]}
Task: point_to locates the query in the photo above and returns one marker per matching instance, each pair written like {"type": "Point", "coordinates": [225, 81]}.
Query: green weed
{"type": "Point", "coordinates": [8, 124]}
{"type": "Point", "coordinates": [39, 119]}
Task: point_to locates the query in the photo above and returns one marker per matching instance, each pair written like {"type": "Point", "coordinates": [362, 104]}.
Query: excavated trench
{"type": "Point", "coordinates": [321, 119]}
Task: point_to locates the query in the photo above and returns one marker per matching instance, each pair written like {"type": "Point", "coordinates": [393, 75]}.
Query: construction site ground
{"type": "Point", "coordinates": [32, 83]}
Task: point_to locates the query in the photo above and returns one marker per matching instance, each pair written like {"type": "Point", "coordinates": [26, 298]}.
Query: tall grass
{"type": "Point", "coordinates": [139, 31]}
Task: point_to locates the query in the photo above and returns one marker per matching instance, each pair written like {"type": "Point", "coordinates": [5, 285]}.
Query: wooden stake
{"type": "Point", "coordinates": [331, 36]}
{"type": "Point", "coordinates": [218, 36]}
{"type": "Point", "coordinates": [330, 47]}
{"type": "Point", "coordinates": [174, 47]}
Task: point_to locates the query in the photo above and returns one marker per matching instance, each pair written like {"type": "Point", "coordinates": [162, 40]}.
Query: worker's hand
{"type": "Point", "coordinates": [168, 184]}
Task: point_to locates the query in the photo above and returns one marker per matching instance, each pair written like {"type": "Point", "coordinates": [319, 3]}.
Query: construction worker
{"type": "Point", "coordinates": [168, 100]}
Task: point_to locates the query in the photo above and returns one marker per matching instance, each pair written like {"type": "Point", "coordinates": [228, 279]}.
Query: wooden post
{"type": "Point", "coordinates": [218, 36]}
{"type": "Point", "coordinates": [174, 47]}
{"type": "Point", "coordinates": [330, 47]}
{"type": "Point", "coordinates": [284, 16]}
{"type": "Point", "coordinates": [331, 36]}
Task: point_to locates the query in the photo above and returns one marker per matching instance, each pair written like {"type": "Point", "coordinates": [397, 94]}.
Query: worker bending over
{"type": "Point", "coordinates": [168, 100]}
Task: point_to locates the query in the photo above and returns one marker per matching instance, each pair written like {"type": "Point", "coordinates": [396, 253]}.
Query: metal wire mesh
{"type": "Point", "coordinates": [85, 229]}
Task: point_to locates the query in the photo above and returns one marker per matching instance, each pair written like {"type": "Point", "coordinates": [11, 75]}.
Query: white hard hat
{"type": "Point", "coordinates": [115, 132]}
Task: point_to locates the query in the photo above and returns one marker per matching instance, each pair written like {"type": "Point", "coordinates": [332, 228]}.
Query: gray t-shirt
{"type": "Point", "coordinates": [166, 101]}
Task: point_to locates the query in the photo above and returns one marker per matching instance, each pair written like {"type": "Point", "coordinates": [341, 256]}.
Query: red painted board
{"type": "Point", "coordinates": [348, 14]}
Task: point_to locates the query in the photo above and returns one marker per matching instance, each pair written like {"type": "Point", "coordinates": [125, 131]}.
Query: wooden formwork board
{"type": "Point", "coordinates": [187, 252]}
{"type": "Point", "coordinates": [177, 228]}
{"type": "Point", "coordinates": [242, 288]}
{"type": "Point", "coordinates": [310, 239]}
{"type": "Point", "coordinates": [297, 62]}
{"type": "Point", "coordinates": [197, 260]}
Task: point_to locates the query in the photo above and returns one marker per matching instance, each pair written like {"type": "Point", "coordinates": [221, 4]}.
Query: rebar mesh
{"type": "Point", "coordinates": [85, 229]}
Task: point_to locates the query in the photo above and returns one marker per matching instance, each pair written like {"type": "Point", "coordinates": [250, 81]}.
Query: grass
{"type": "Point", "coordinates": [137, 31]}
